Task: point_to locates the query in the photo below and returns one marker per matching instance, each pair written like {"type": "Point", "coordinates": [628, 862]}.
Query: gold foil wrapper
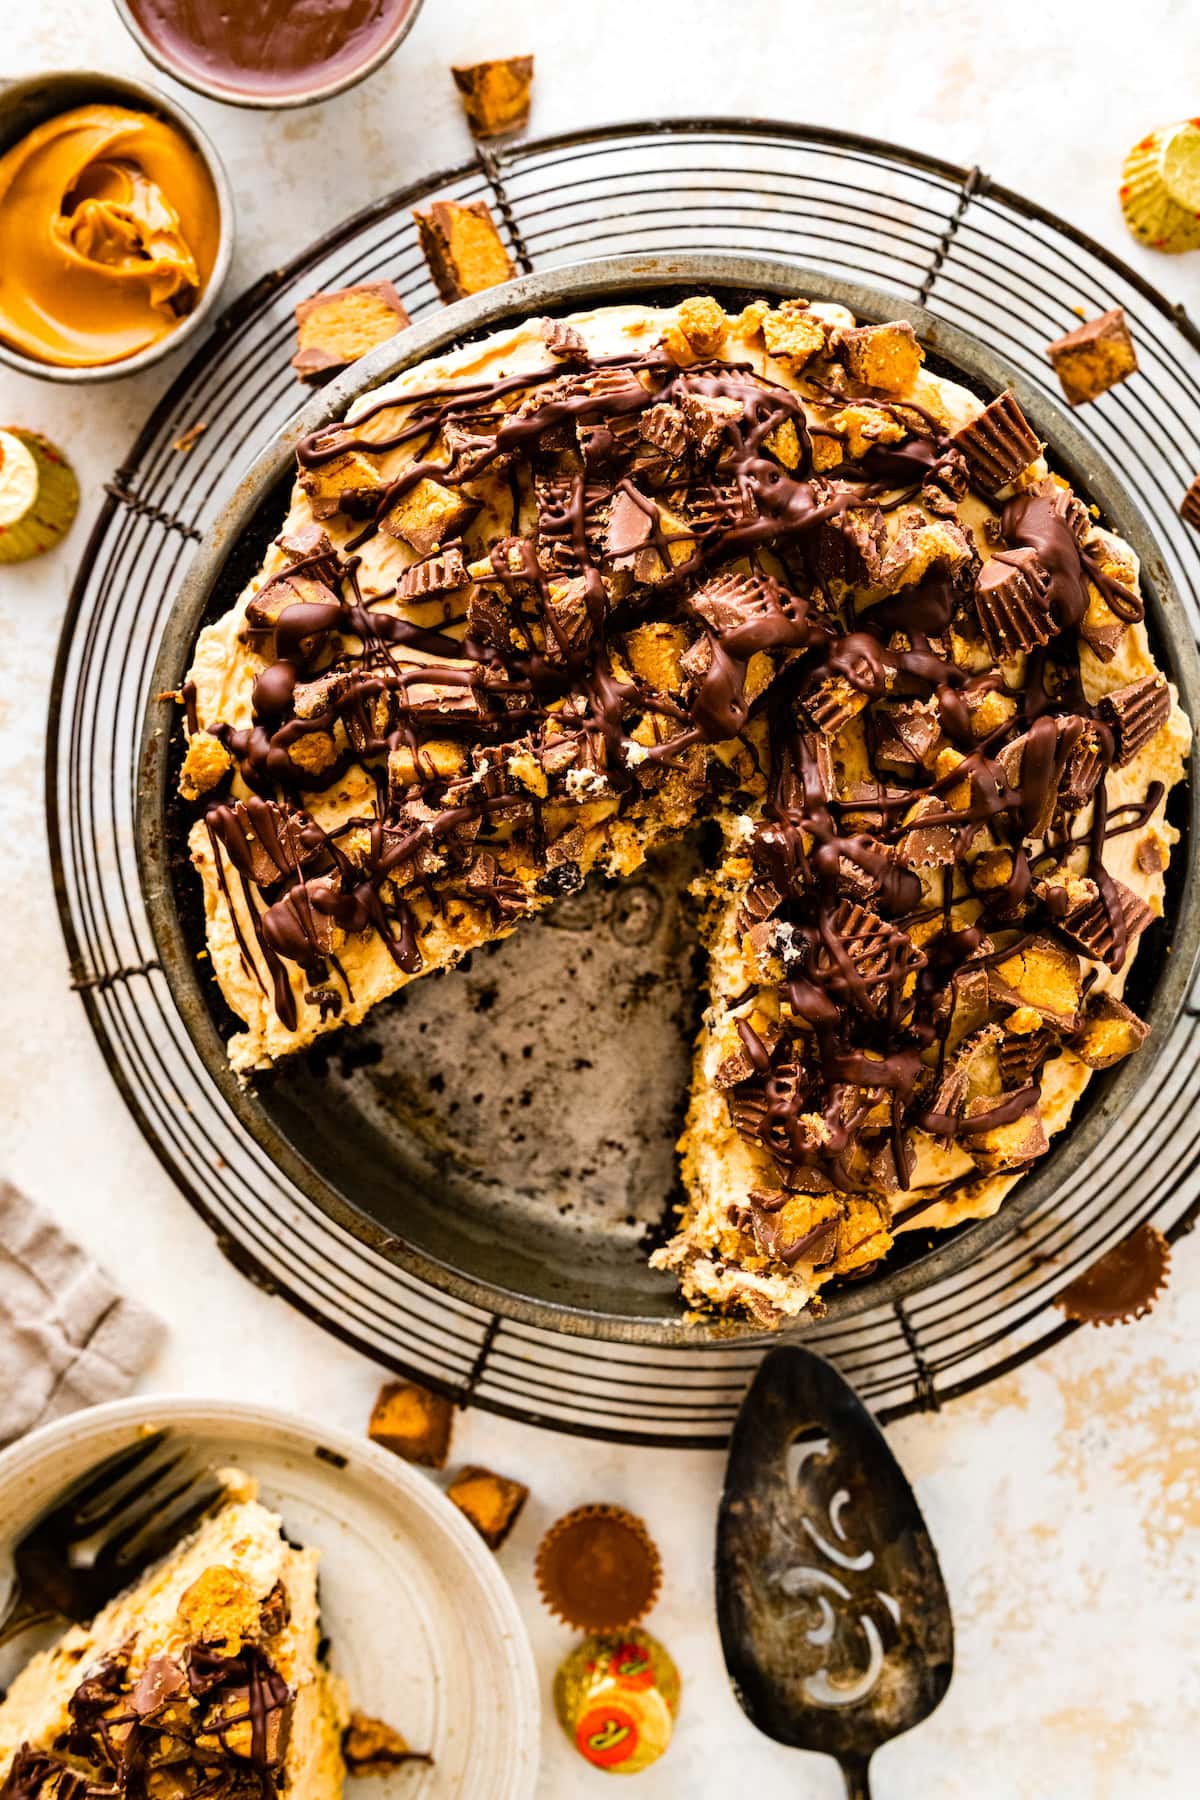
{"type": "Point", "coordinates": [617, 1698]}
{"type": "Point", "coordinates": [1160, 188]}
{"type": "Point", "coordinates": [39, 495]}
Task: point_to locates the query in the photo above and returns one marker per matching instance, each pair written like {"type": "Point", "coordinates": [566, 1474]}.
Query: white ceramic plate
{"type": "Point", "coordinates": [423, 1624]}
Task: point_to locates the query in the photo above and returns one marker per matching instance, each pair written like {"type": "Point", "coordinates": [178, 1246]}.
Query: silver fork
{"type": "Point", "coordinates": [111, 1524]}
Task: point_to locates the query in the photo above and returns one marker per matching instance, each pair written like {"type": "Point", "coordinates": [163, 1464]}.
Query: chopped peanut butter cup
{"type": "Point", "coordinates": [562, 340]}
{"type": "Point", "coordinates": [860, 952]}
{"type": "Point", "coordinates": [1135, 714]}
{"type": "Point", "coordinates": [1020, 1057]}
{"type": "Point", "coordinates": [492, 1502]}
{"type": "Point", "coordinates": [1084, 766]}
{"type": "Point", "coordinates": [463, 248]}
{"type": "Point", "coordinates": [882, 356]}
{"type": "Point", "coordinates": [999, 444]}
{"type": "Point", "coordinates": [495, 95]}
{"type": "Point", "coordinates": [1011, 599]}
{"type": "Point", "coordinates": [1106, 928]}
{"type": "Point", "coordinates": [1094, 357]}
{"type": "Point", "coordinates": [413, 1421]}
{"type": "Point", "coordinates": [372, 1747]}
{"type": "Point", "coordinates": [436, 575]}
{"type": "Point", "coordinates": [345, 484]}
{"type": "Point", "coordinates": [666, 428]}
{"type": "Point", "coordinates": [1110, 1031]}
{"type": "Point", "coordinates": [333, 330]}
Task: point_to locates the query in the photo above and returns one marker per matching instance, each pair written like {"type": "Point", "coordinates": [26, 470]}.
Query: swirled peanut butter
{"type": "Point", "coordinates": [109, 228]}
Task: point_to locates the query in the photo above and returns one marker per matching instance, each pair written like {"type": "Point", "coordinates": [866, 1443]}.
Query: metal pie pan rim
{"type": "Point", "coordinates": [606, 281]}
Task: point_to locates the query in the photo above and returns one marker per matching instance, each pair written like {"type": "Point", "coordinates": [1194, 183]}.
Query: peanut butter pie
{"type": "Point", "coordinates": [203, 1679]}
{"type": "Point", "coordinates": [548, 601]}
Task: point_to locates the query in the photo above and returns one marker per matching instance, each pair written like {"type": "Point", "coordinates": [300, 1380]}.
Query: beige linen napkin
{"type": "Point", "coordinates": [67, 1338]}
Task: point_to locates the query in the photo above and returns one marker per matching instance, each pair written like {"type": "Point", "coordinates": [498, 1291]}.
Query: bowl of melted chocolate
{"type": "Point", "coordinates": [681, 695]}
{"type": "Point", "coordinates": [269, 53]}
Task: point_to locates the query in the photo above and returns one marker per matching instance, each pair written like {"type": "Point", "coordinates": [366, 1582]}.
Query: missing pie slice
{"type": "Point", "coordinates": [549, 601]}
{"type": "Point", "coordinates": [203, 1679]}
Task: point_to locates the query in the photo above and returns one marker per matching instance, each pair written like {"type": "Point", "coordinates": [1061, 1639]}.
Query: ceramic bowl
{"type": "Point", "coordinates": [301, 95]}
{"type": "Point", "coordinates": [30, 102]}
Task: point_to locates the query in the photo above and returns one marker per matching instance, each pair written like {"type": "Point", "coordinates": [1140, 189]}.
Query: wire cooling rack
{"type": "Point", "coordinates": [977, 255]}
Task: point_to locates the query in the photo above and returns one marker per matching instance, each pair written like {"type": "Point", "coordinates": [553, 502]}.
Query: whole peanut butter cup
{"type": "Point", "coordinates": [1124, 1284]}
{"type": "Point", "coordinates": [1160, 188]}
{"type": "Point", "coordinates": [598, 1569]}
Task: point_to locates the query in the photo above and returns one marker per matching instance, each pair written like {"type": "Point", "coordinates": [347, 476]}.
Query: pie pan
{"type": "Point", "coordinates": [506, 1133]}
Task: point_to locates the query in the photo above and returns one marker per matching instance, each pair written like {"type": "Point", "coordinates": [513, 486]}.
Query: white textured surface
{"type": "Point", "coordinates": [1065, 1500]}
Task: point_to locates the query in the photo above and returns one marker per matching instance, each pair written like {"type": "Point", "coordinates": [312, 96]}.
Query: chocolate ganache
{"type": "Point", "coordinates": [269, 47]}
{"type": "Point", "coordinates": [551, 602]}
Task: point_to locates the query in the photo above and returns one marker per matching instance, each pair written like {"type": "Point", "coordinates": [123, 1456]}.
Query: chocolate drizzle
{"type": "Point", "coordinates": [659, 511]}
{"type": "Point", "coordinates": [41, 1775]}
{"type": "Point", "coordinates": [205, 1726]}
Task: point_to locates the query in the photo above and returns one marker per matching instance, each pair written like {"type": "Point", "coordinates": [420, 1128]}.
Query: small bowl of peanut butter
{"type": "Point", "coordinates": [116, 226]}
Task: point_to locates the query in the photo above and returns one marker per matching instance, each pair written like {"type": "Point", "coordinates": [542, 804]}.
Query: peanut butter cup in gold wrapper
{"type": "Point", "coordinates": [597, 1568]}
{"type": "Point", "coordinates": [617, 1698]}
{"type": "Point", "coordinates": [1123, 1285]}
{"type": "Point", "coordinates": [1160, 189]}
{"type": "Point", "coordinates": [39, 495]}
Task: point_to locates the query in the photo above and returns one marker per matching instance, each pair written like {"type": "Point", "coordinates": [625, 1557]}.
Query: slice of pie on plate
{"type": "Point", "coordinates": [203, 1679]}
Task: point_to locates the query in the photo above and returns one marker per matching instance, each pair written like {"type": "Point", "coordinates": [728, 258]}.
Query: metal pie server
{"type": "Point", "coordinates": [833, 1613]}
